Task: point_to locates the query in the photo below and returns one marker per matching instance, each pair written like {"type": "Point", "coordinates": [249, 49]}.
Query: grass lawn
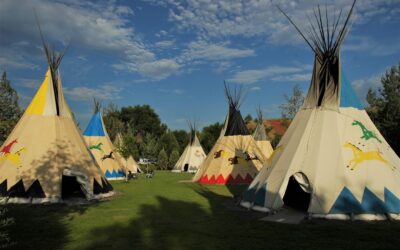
{"type": "Point", "coordinates": [163, 213]}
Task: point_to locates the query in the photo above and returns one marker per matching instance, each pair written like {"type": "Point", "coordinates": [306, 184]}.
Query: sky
{"type": "Point", "coordinates": [175, 55]}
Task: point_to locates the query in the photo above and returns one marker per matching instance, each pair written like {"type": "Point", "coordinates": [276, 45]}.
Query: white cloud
{"type": "Point", "coordinates": [293, 77]}
{"type": "Point", "coordinates": [159, 69]}
{"type": "Point", "coordinates": [361, 86]}
{"type": "Point", "coordinates": [172, 91]}
{"type": "Point", "coordinates": [255, 75]}
{"type": "Point", "coordinates": [102, 26]}
{"type": "Point", "coordinates": [102, 92]}
{"type": "Point", "coordinates": [256, 88]}
{"type": "Point", "coordinates": [164, 44]}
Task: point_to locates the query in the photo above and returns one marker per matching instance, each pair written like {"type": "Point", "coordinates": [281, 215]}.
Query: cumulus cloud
{"type": "Point", "coordinates": [101, 26]}
{"type": "Point", "coordinates": [159, 69]}
{"type": "Point", "coordinates": [102, 92]}
{"type": "Point", "coordinates": [255, 75]}
{"type": "Point", "coordinates": [361, 86]}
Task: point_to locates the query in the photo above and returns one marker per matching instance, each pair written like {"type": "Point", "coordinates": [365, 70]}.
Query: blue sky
{"type": "Point", "coordinates": [175, 55]}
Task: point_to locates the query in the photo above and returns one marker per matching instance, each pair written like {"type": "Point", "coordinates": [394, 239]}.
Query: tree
{"type": "Point", "coordinates": [384, 107]}
{"type": "Point", "coordinates": [182, 137]}
{"type": "Point", "coordinates": [144, 119]}
{"type": "Point", "coordinates": [209, 135]}
{"type": "Point", "coordinates": [112, 120]}
{"type": "Point", "coordinates": [162, 160]}
{"type": "Point", "coordinates": [10, 111]}
{"type": "Point", "coordinates": [293, 103]}
{"type": "Point", "coordinates": [173, 158]}
{"type": "Point", "coordinates": [168, 142]}
{"type": "Point", "coordinates": [248, 118]}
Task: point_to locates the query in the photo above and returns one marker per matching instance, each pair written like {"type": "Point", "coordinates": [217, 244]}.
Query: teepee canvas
{"type": "Point", "coordinates": [332, 162]}
{"type": "Point", "coordinates": [192, 156]}
{"type": "Point", "coordinates": [260, 136]}
{"type": "Point", "coordinates": [235, 158]}
{"type": "Point", "coordinates": [101, 147]}
{"type": "Point", "coordinates": [45, 158]}
{"type": "Point", "coordinates": [129, 164]}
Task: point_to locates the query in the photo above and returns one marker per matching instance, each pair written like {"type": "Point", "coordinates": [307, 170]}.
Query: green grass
{"type": "Point", "coordinates": [163, 213]}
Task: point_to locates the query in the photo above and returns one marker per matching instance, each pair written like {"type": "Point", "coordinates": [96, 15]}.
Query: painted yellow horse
{"type": "Point", "coordinates": [222, 153]}
{"type": "Point", "coordinates": [360, 156]}
{"type": "Point", "coordinates": [14, 158]}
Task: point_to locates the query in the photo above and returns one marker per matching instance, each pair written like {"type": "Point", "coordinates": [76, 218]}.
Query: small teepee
{"type": "Point", "coordinates": [260, 136]}
{"type": "Point", "coordinates": [235, 158]}
{"type": "Point", "coordinates": [101, 147]}
{"type": "Point", "coordinates": [129, 164]}
{"type": "Point", "coordinates": [332, 162]}
{"type": "Point", "coordinates": [45, 158]}
{"type": "Point", "coordinates": [192, 156]}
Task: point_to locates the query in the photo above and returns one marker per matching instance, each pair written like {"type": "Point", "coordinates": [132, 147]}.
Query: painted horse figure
{"type": "Point", "coordinates": [221, 153]}
{"type": "Point", "coordinates": [109, 156]}
{"type": "Point", "coordinates": [97, 146]}
{"type": "Point", "coordinates": [360, 156]}
{"type": "Point", "coordinates": [7, 148]}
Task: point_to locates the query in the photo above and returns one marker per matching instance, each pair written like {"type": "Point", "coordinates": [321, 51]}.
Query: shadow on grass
{"type": "Point", "coordinates": [45, 224]}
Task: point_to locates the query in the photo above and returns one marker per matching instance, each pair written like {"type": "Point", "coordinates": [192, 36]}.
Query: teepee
{"type": "Point", "coordinates": [192, 156]}
{"type": "Point", "coordinates": [260, 136]}
{"type": "Point", "coordinates": [332, 161]}
{"type": "Point", "coordinates": [45, 158]}
{"type": "Point", "coordinates": [129, 164]}
{"type": "Point", "coordinates": [101, 147]}
{"type": "Point", "coordinates": [235, 158]}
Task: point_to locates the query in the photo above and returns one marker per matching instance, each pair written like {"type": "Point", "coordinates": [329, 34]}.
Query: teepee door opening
{"type": "Point", "coordinates": [71, 188]}
{"type": "Point", "coordinates": [298, 192]}
{"type": "Point", "coordinates": [186, 167]}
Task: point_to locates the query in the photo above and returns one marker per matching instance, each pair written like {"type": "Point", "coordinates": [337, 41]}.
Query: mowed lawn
{"type": "Point", "coordinates": [166, 213]}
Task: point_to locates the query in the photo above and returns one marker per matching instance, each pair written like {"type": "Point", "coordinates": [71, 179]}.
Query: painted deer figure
{"type": "Point", "coordinates": [97, 146]}
{"type": "Point", "coordinates": [360, 156]}
{"type": "Point", "coordinates": [109, 156]}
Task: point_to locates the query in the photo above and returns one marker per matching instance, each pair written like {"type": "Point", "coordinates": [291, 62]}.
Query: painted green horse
{"type": "Point", "coordinates": [367, 134]}
{"type": "Point", "coordinates": [98, 147]}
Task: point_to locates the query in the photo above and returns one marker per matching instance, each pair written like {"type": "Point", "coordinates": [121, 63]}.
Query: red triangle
{"type": "Point", "coordinates": [203, 179]}
{"type": "Point", "coordinates": [238, 179]}
{"type": "Point", "coordinates": [248, 179]}
{"type": "Point", "coordinates": [220, 180]}
{"type": "Point", "coordinates": [211, 180]}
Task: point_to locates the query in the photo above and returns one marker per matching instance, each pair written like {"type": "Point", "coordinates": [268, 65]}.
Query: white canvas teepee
{"type": "Point", "coordinates": [101, 147]}
{"type": "Point", "coordinates": [129, 164]}
{"type": "Point", "coordinates": [192, 156]}
{"type": "Point", "coordinates": [260, 136]}
{"type": "Point", "coordinates": [235, 158]}
{"type": "Point", "coordinates": [332, 162]}
{"type": "Point", "coordinates": [45, 158]}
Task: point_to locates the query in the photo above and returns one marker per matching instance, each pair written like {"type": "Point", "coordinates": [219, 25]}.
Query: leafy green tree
{"type": "Point", "coordinates": [149, 149]}
{"type": "Point", "coordinates": [112, 120]}
{"type": "Point", "coordinates": [144, 119]}
{"type": "Point", "coordinates": [248, 118]}
{"type": "Point", "coordinates": [173, 158]}
{"type": "Point", "coordinates": [293, 103]}
{"type": "Point", "coordinates": [10, 111]}
{"type": "Point", "coordinates": [276, 140]}
{"type": "Point", "coordinates": [384, 107]}
{"type": "Point", "coordinates": [168, 142]}
{"type": "Point", "coordinates": [182, 137]}
{"type": "Point", "coordinates": [162, 160]}
{"type": "Point", "coordinates": [209, 135]}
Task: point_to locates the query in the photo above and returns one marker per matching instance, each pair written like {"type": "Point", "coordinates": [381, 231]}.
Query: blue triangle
{"type": "Point", "coordinates": [95, 126]}
{"type": "Point", "coordinates": [259, 197]}
{"type": "Point", "coordinates": [346, 203]}
{"type": "Point", "coordinates": [248, 195]}
{"type": "Point", "coordinates": [371, 203]}
{"type": "Point", "coordinates": [392, 203]}
{"type": "Point", "coordinates": [348, 97]}
{"type": "Point", "coordinates": [107, 174]}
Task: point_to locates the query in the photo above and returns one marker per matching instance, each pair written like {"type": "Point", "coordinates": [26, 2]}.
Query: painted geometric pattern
{"type": "Point", "coordinates": [370, 203]}
{"type": "Point", "coordinates": [115, 174]}
{"type": "Point", "coordinates": [255, 195]}
{"type": "Point", "coordinates": [228, 180]}
{"type": "Point", "coordinates": [95, 126]}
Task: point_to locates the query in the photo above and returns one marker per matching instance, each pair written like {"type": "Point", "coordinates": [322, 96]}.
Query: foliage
{"type": "Point", "coordinates": [10, 111]}
{"type": "Point", "coordinates": [112, 121]}
{"type": "Point", "coordinates": [384, 107]}
{"type": "Point", "coordinates": [209, 135]}
{"type": "Point", "coordinates": [173, 158]}
{"type": "Point", "coordinates": [162, 160]}
{"type": "Point", "coordinates": [168, 142]}
{"type": "Point", "coordinates": [248, 118]}
{"type": "Point", "coordinates": [144, 119]}
{"type": "Point", "coordinates": [293, 103]}
{"type": "Point", "coordinates": [182, 137]}
{"type": "Point", "coordinates": [276, 140]}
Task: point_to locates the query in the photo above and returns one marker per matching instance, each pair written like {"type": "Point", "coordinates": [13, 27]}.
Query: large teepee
{"type": "Point", "coordinates": [235, 158]}
{"type": "Point", "coordinates": [45, 158]}
{"type": "Point", "coordinates": [192, 156]}
{"type": "Point", "coordinates": [260, 136]}
{"type": "Point", "coordinates": [129, 164]}
{"type": "Point", "coordinates": [332, 161]}
{"type": "Point", "coordinates": [99, 143]}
